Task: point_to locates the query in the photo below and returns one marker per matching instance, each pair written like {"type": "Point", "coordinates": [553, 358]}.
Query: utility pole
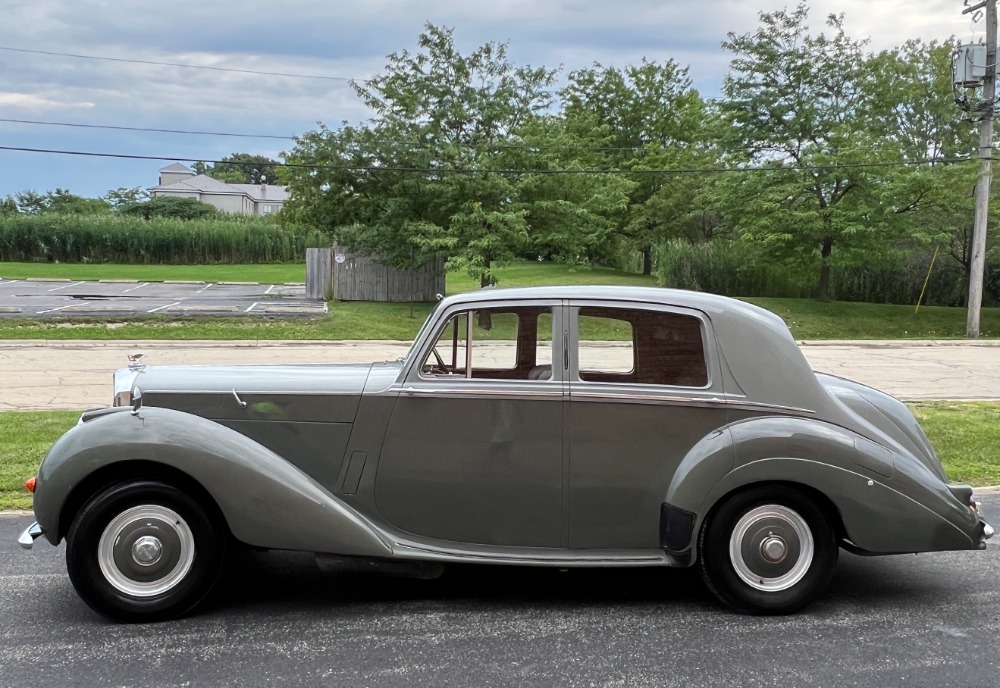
{"type": "Point", "coordinates": [978, 253]}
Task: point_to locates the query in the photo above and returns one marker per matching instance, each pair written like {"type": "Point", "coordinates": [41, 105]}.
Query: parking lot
{"type": "Point", "coordinates": [69, 298]}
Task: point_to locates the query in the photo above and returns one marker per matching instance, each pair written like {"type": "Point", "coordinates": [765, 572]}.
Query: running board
{"type": "Point", "coordinates": [560, 558]}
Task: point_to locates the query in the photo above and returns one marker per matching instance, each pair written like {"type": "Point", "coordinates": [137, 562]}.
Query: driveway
{"type": "Point", "coordinates": [49, 374]}
{"type": "Point", "coordinates": [66, 298]}
{"type": "Point", "coordinates": [276, 620]}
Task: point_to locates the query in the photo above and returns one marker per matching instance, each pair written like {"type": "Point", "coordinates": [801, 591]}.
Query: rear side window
{"type": "Point", "coordinates": [641, 346]}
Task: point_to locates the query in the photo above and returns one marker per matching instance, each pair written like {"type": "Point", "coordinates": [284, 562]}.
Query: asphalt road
{"type": "Point", "coordinates": [928, 620]}
{"type": "Point", "coordinates": [118, 298]}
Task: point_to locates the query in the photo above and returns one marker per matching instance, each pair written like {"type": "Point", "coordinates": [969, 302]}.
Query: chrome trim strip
{"type": "Point", "coordinates": [467, 393]}
{"type": "Point", "coordinates": [246, 392]}
{"type": "Point", "coordinates": [688, 401]}
{"type": "Point", "coordinates": [30, 534]}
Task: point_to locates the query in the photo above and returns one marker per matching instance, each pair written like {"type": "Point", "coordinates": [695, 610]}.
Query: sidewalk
{"type": "Point", "coordinates": [76, 374]}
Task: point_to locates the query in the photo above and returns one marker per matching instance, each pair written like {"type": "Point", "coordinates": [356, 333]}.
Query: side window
{"type": "Point", "coordinates": [641, 346]}
{"type": "Point", "coordinates": [511, 343]}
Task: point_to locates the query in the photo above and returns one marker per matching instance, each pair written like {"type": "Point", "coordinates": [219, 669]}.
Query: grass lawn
{"type": "Point", "coordinates": [964, 434]}
{"type": "Point", "coordinates": [807, 318]}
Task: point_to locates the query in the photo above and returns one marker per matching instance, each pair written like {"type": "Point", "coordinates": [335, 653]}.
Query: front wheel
{"type": "Point", "coordinates": [143, 551]}
{"type": "Point", "coordinates": [768, 550]}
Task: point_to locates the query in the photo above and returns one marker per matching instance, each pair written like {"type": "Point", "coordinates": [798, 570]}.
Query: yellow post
{"type": "Point", "coordinates": [928, 279]}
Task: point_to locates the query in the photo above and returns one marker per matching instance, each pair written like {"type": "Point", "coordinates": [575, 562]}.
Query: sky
{"type": "Point", "coordinates": [332, 39]}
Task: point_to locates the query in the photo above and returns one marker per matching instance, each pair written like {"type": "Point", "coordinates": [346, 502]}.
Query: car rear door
{"type": "Point", "coordinates": [643, 390]}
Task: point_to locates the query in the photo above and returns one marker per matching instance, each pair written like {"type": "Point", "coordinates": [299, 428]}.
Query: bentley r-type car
{"type": "Point", "coordinates": [557, 426]}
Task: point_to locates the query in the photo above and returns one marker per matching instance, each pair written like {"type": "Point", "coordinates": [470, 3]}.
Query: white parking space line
{"type": "Point", "coordinates": [7, 282]}
{"type": "Point", "coordinates": [251, 306]}
{"type": "Point", "coordinates": [205, 287]}
{"type": "Point", "coordinates": [53, 310]}
{"type": "Point", "coordinates": [153, 310]}
{"type": "Point", "coordinates": [66, 285]}
{"type": "Point", "coordinates": [269, 290]}
{"type": "Point", "coordinates": [134, 288]}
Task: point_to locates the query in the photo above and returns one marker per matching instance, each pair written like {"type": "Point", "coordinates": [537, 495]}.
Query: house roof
{"type": "Point", "coordinates": [177, 167]}
{"type": "Point", "coordinates": [198, 182]}
{"type": "Point", "coordinates": [273, 192]}
{"type": "Point", "coordinates": [206, 184]}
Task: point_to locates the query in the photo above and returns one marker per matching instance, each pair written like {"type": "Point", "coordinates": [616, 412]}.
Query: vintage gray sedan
{"type": "Point", "coordinates": [583, 426]}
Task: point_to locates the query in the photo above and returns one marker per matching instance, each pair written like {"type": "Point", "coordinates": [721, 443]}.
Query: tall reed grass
{"type": "Point", "coordinates": [114, 238]}
{"type": "Point", "coordinates": [736, 268]}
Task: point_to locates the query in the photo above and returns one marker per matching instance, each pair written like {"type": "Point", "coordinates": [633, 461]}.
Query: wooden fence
{"type": "Point", "coordinates": [362, 278]}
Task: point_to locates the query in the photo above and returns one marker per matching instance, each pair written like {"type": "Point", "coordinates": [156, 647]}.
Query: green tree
{"type": "Point", "coordinates": [59, 201]}
{"type": "Point", "coordinates": [430, 171]}
{"type": "Point", "coordinates": [933, 200]}
{"type": "Point", "coordinates": [241, 168]}
{"type": "Point", "coordinates": [30, 202]}
{"type": "Point", "coordinates": [799, 105]}
{"type": "Point", "coordinates": [125, 196]}
{"type": "Point", "coordinates": [8, 206]}
{"type": "Point", "coordinates": [656, 120]}
{"type": "Point", "coordinates": [572, 212]}
{"type": "Point", "coordinates": [168, 206]}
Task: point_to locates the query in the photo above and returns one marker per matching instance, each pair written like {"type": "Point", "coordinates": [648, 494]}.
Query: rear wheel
{"type": "Point", "coordinates": [768, 550]}
{"type": "Point", "coordinates": [143, 551]}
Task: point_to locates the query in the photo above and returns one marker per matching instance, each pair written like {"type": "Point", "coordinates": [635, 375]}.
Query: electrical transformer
{"type": "Point", "coordinates": [969, 65]}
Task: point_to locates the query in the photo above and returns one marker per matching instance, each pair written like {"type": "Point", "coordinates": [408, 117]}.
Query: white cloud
{"type": "Point", "coordinates": [32, 101]}
{"type": "Point", "coordinates": [341, 39]}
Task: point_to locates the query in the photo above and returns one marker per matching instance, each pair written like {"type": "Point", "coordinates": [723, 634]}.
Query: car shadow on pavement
{"type": "Point", "coordinates": [292, 582]}
{"type": "Point", "coordinates": [293, 579]}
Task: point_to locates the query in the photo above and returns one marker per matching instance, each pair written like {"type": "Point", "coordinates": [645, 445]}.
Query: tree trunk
{"type": "Point", "coordinates": [485, 319]}
{"type": "Point", "coordinates": [647, 260]}
{"type": "Point", "coordinates": [823, 293]}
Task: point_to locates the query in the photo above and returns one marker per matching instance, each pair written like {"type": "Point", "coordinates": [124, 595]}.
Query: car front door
{"type": "Point", "coordinates": [474, 448]}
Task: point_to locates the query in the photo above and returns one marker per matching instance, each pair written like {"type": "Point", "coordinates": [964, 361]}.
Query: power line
{"type": "Point", "coordinates": [523, 171]}
{"type": "Point", "coordinates": [186, 66]}
{"type": "Point", "coordinates": [149, 129]}
{"type": "Point", "coordinates": [644, 149]}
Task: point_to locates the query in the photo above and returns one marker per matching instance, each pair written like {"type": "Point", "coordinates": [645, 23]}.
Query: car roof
{"type": "Point", "coordinates": [659, 295]}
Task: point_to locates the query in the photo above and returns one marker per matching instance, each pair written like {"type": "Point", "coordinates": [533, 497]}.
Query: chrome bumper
{"type": "Point", "coordinates": [30, 534]}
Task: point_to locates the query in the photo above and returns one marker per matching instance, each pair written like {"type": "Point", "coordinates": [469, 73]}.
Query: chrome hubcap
{"type": "Point", "coordinates": [146, 550]}
{"type": "Point", "coordinates": [771, 548]}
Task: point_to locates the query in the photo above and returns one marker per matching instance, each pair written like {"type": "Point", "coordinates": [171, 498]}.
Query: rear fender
{"type": "Point", "coordinates": [266, 501]}
{"type": "Point", "coordinates": [882, 509]}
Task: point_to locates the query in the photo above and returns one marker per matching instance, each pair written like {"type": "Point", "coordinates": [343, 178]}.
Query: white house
{"type": "Point", "coordinates": [247, 199]}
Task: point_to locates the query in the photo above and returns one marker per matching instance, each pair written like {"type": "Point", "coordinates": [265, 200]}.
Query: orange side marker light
{"type": "Point", "coordinates": [29, 484]}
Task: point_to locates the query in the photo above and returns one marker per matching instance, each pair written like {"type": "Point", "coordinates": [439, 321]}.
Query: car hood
{"type": "Point", "coordinates": [308, 393]}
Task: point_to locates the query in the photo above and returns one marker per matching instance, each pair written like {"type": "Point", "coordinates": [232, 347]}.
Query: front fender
{"type": "Point", "coordinates": [266, 501]}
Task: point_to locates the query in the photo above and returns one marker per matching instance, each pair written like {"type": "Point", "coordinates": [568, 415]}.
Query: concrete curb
{"type": "Point", "coordinates": [193, 343]}
{"type": "Point", "coordinates": [900, 343]}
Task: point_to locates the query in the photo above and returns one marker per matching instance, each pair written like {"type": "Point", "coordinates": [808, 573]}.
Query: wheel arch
{"type": "Point", "coordinates": [127, 471]}
{"type": "Point", "coordinates": [829, 508]}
